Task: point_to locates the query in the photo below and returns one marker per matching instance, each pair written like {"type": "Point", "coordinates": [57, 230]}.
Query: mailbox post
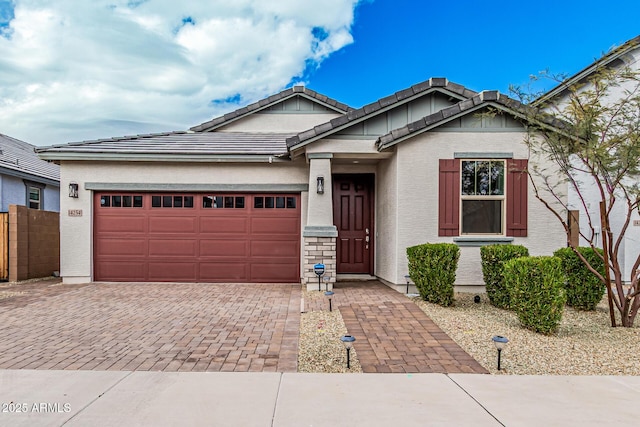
{"type": "Point", "coordinates": [318, 269]}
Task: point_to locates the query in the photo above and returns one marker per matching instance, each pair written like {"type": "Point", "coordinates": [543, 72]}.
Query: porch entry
{"type": "Point", "coordinates": [353, 217]}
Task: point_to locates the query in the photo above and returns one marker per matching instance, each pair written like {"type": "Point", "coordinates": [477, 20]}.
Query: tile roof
{"type": "Point", "coordinates": [21, 157]}
{"type": "Point", "coordinates": [486, 98]}
{"type": "Point", "coordinates": [435, 83]}
{"type": "Point", "coordinates": [267, 102]}
{"type": "Point", "coordinates": [182, 143]}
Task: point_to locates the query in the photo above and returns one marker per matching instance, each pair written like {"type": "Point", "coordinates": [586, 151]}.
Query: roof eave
{"type": "Point", "coordinates": [29, 176]}
{"type": "Point", "coordinates": [585, 72]}
{"type": "Point", "coordinates": [506, 109]}
{"type": "Point", "coordinates": [165, 157]}
{"type": "Point", "coordinates": [389, 107]}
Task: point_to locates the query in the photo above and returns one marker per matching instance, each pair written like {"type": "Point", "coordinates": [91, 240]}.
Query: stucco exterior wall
{"type": "Point", "coordinates": [278, 122]}
{"type": "Point", "coordinates": [14, 192]}
{"type": "Point", "coordinates": [76, 232]}
{"type": "Point", "coordinates": [386, 232]}
{"type": "Point", "coordinates": [344, 146]}
{"type": "Point", "coordinates": [417, 204]}
{"type": "Point", "coordinates": [52, 198]}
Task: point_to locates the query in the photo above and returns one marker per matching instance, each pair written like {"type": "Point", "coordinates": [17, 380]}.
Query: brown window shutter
{"type": "Point", "coordinates": [517, 197]}
{"type": "Point", "coordinates": [449, 198]}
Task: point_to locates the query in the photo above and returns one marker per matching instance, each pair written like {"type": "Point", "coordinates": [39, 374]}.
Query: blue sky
{"type": "Point", "coordinates": [72, 71]}
{"type": "Point", "coordinates": [481, 45]}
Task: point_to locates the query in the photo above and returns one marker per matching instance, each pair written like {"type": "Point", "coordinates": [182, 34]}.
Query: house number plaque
{"type": "Point", "coordinates": [75, 212]}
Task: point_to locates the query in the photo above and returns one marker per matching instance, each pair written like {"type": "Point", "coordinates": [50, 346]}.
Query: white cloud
{"type": "Point", "coordinates": [73, 70]}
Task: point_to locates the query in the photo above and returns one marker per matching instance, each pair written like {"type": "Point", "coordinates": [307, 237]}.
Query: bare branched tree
{"type": "Point", "coordinates": [595, 150]}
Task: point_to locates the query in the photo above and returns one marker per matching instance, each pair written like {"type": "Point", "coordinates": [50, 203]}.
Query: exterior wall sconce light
{"type": "Point", "coordinates": [73, 190]}
{"type": "Point", "coordinates": [318, 269]}
{"type": "Point", "coordinates": [348, 340]}
{"type": "Point", "coordinates": [500, 342]}
{"type": "Point", "coordinates": [320, 185]}
{"type": "Point", "coordinates": [329, 295]}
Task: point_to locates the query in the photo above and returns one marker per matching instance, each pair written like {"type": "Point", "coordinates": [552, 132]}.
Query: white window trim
{"type": "Point", "coordinates": [36, 186]}
{"type": "Point", "coordinates": [502, 197]}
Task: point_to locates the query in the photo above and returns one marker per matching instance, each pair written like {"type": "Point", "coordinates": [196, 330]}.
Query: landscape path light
{"type": "Point", "coordinates": [329, 295]}
{"type": "Point", "coordinates": [408, 280]}
{"type": "Point", "coordinates": [500, 342]}
{"type": "Point", "coordinates": [327, 280]}
{"type": "Point", "coordinates": [348, 340]}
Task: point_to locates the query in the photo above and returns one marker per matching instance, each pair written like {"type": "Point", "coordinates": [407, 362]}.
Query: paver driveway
{"type": "Point", "coordinates": [151, 326]}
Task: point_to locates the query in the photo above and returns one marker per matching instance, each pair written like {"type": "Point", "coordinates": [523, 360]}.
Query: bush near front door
{"type": "Point", "coordinates": [432, 267]}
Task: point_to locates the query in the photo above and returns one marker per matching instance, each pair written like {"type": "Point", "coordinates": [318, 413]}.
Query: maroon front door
{"type": "Point", "coordinates": [353, 216]}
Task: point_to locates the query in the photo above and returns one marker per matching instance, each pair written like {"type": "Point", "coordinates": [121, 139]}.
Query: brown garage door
{"type": "Point", "coordinates": [197, 237]}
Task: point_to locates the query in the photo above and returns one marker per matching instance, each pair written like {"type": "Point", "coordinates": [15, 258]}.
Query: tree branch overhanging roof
{"type": "Point", "coordinates": [486, 99]}
{"type": "Point", "coordinates": [220, 121]}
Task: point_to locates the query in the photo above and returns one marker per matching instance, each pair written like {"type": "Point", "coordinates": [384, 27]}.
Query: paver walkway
{"type": "Point", "coordinates": [393, 334]}
{"type": "Point", "coordinates": [150, 327]}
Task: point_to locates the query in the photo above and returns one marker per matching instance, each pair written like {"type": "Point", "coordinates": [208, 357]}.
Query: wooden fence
{"type": "Point", "coordinates": [4, 245]}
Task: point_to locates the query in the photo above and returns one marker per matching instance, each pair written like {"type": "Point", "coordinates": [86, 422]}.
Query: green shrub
{"type": "Point", "coordinates": [537, 291]}
{"type": "Point", "coordinates": [493, 259]}
{"type": "Point", "coordinates": [584, 289]}
{"type": "Point", "coordinates": [432, 267]}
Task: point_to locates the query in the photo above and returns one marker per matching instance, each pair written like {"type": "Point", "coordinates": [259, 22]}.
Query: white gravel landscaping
{"type": "Point", "coordinates": [319, 348]}
{"type": "Point", "coordinates": [585, 344]}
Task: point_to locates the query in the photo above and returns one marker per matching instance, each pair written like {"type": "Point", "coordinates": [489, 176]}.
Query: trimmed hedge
{"type": "Point", "coordinates": [432, 267]}
{"type": "Point", "coordinates": [584, 289]}
{"type": "Point", "coordinates": [537, 291]}
{"type": "Point", "coordinates": [493, 258]}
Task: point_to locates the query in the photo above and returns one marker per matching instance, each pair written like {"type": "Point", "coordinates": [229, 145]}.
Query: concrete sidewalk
{"type": "Point", "coordinates": [108, 398]}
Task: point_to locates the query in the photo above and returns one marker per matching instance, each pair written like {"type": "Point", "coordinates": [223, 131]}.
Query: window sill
{"type": "Point", "coordinates": [482, 241]}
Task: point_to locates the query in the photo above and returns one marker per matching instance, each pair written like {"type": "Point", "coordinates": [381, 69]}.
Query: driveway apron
{"type": "Point", "coordinates": [150, 327]}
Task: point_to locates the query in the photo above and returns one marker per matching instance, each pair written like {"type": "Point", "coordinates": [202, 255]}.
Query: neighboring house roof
{"type": "Point", "coordinates": [611, 59]}
{"type": "Point", "coordinates": [379, 106]}
{"type": "Point", "coordinates": [173, 145]}
{"type": "Point", "coordinates": [270, 101]}
{"type": "Point", "coordinates": [19, 158]}
{"type": "Point", "coordinates": [482, 100]}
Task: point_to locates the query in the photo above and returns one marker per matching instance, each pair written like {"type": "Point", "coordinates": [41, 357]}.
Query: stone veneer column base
{"type": "Point", "coordinates": [319, 248]}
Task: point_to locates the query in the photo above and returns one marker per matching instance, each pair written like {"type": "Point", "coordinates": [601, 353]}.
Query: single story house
{"type": "Point", "coordinates": [263, 193]}
{"type": "Point", "coordinates": [25, 179]}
